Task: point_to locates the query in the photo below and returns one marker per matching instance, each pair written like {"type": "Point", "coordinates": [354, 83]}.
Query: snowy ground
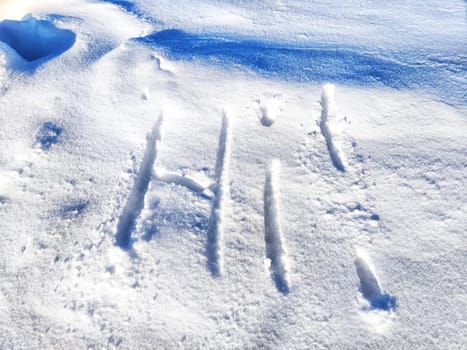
{"type": "Point", "coordinates": [183, 176]}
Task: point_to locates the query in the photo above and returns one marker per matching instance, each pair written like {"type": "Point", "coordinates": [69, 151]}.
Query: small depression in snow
{"type": "Point", "coordinates": [73, 210]}
{"type": "Point", "coordinates": [48, 135]}
{"type": "Point", "coordinates": [35, 40]}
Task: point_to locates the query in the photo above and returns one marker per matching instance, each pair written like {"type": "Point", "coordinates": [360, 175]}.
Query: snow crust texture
{"type": "Point", "coordinates": [232, 174]}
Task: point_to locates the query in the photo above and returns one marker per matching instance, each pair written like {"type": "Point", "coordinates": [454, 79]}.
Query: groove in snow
{"type": "Point", "coordinates": [183, 180]}
{"type": "Point", "coordinates": [221, 191]}
{"type": "Point", "coordinates": [275, 249]}
{"type": "Point", "coordinates": [328, 112]}
{"type": "Point", "coordinates": [369, 284]}
{"type": "Point", "coordinates": [135, 202]}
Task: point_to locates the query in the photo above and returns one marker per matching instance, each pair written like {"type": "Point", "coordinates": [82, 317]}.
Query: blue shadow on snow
{"type": "Point", "coordinates": [48, 135]}
{"type": "Point", "coordinates": [317, 63]}
{"type": "Point", "coordinates": [131, 7]}
{"type": "Point", "coordinates": [73, 210]}
{"type": "Point", "coordinates": [126, 5]}
{"type": "Point", "coordinates": [384, 302]}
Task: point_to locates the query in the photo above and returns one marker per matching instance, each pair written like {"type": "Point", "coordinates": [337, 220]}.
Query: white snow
{"type": "Point", "coordinates": [276, 251]}
{"type": "Point", "coordinates": [374, 24]}
{"type": "Point", "coordinates": [331, 128]}
{"type": "Point", "coordinates": [201, 194]}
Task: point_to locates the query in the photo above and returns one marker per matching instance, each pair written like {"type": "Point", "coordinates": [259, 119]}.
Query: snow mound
{"type": "Point", "coordinates": [269, 109]}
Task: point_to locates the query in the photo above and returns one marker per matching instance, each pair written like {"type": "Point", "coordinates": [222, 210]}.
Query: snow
{"type": "Point", "coordinates": [141, 205]}
{"type": "Point", "coordinates": [32, 40]}
{"type": "Point", "coordinates": [276, 252]}
{"type": "Point", "coordinates": [391, 24]}
{"type": "Point", "coordinates": [330, 129]}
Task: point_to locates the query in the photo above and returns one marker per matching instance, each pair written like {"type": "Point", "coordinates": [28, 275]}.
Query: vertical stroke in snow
{"type": "Point", "coordinates": [370, 286]}
{"type": "Point", "coordinates": [221, 191]}
{"type": "Point", "coordinates": [275, 249]}
{"type": "Point", "coordinates": [328, 112]}
{"type": "Point", "coordinates": [135, 202]}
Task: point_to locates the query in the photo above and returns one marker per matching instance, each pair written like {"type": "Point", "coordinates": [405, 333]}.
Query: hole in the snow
{"type": "Point", "coordinates": [48, 135]}
{"type": "Point", "coordinates": [35, 39]}
{"type": "Point", "coordinates": [74, 210]}
{"type": "Point", "coordinates": [3, 200]}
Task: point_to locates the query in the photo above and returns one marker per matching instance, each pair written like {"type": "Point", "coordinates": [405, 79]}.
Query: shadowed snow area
{"type": "Point", "coordinates": [369, 286]}
{"type": "Point", "coordinates": [35, 40]}
{"type": "Point", "coordinates": [48, 135]}
{"type": "Point", "coordinates": [320, 62]}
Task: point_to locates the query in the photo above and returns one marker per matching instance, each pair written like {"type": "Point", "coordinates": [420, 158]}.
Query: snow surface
{"type": "Point", "coordinates": [141, 205]}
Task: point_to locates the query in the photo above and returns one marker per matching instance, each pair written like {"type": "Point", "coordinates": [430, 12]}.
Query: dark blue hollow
{"type": "Point", "coordinates": [384, 302]}
{"type": "Point", "coordinates": [36, 40]}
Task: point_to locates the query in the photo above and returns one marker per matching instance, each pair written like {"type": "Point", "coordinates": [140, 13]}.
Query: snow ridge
{"type": "Point", "coordinates": [135, 202]}
{"type": "Point", "coordinates": [275, 250]}
{"type": "Point", "coordinates": [221, 191]}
